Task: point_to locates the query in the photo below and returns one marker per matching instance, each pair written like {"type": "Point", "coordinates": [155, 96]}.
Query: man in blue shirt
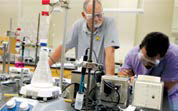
{"type": "Point", "coordinates": [105, 37]}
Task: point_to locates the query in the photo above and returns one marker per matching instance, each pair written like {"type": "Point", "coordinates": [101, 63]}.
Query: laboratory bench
{"type": "Point", "coordinates": [55, 70]}
{"type": "Point", "coordinates": [68, 106]}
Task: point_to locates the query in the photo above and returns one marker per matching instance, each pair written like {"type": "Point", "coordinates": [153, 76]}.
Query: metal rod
{"type": "Point", "coordinates": [4, 58]}
{"type": "Point", "coordinates": [63, 46]}
{"type": "Point", "coordinates": [10, 24]}
{"type": "Point", "coordinates": [23, 48]}
{"type": "Point", "coordinates": [37, 40]}
{"type": "Point", "coordinates": [9, 44]}
{"type": "Point", "coordinates": [90, 53]}
{"type": "Point", "coordinates": [92, 32]}
{"type": "Point", "coordinates": [8, 54]}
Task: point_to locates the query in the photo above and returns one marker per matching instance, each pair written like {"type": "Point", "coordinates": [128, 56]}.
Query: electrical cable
{"type": "Point", "coordinates": [96, 107]}
{"type": "Point", "coordinates": [94, 54]}
{"type": "Point", "coordinates": [81, 85]}
{"type": "Point", "coordinates": [116, 89]}
{"type": "Point", "coordinates": [93, 104]}
{"type": "Point", "coordinates": [68, 86]}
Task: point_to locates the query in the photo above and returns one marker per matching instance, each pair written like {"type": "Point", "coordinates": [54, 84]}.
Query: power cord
{"type": "Point", "coordinates": [69, 86]}
{"type": "Point", "coordinates": [94, 54]}
{"type": "Point", "coordinates": [108, 92]}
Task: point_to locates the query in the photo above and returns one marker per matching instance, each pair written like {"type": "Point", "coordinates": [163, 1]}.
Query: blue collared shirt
{"type": "Point", "coordinates": [104, 36]}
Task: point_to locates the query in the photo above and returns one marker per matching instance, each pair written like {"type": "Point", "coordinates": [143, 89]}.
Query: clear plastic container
{"type": "Point", "coordinates": [42, 75]}
{"type": "Point", "coordinates": [79, 101]}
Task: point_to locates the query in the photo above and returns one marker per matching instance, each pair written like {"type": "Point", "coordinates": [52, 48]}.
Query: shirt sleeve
{"type": "Point", "coordinates": [127, 62]}
{"type": "Point", "coordinates": [111, 35]}
{"type": "Point", "coordinates": [170, 72]}
{"type": "Point", "coordinates": [72, 37]}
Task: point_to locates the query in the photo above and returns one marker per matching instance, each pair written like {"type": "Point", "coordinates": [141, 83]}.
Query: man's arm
{"type": "Point", "coordinates": [170, 71]}
{"type": "Point", "coordinates": [109, 60]}
{"type": "Point", "coordinates": [126, 69]}
{"type": "Point", "coordinates": [169, 85]}
{"type": "Point", "coordinates": [55, 55]}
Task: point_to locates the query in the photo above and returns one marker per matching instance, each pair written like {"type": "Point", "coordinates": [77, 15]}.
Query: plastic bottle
{"type": "Point", "coordinates": [79, 101]}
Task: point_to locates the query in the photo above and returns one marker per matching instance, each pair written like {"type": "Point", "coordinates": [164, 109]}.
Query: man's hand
{"type": "Point", "coordinates": [126, 72]}
{"type": "Point", "coordinates": [55, 56]}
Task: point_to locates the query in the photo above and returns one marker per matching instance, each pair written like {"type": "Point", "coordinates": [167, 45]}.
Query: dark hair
{"type": "Point", "coordinates": [88, 1]}
{"type": "Point", "coordinates": [155, 43]}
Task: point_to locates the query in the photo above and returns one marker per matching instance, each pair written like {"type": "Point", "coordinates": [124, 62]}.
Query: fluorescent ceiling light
{"type": "Point", "coordinates": [123, 10]}
{"type": "Point", "coordinates": [127, 10]}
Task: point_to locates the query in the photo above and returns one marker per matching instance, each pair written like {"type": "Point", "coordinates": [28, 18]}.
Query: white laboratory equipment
{"type": "Point", "coordinates": [148, 92]}
{"type": "Point", "coordinates": [25, 104]}
{"type": "Point", "coordinates": [11, 104]}
{"type": "Point", "coordinates": [41, 85]}
{"type": "Point", "coordinates": [40, 95]}
{"type": "Point", "coordinates": [114, 90]}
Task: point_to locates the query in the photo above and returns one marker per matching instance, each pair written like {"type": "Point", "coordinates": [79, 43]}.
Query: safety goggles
{"type": "Point", "coordinates": [98, 15]}
{"type": "Point", "coordinates": [147, 60]}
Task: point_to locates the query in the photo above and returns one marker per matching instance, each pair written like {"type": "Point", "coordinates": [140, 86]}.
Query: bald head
{"type": "Point", "coordinates": [88, 3]}
{"type": "Point", "coordinates": [87, 13]}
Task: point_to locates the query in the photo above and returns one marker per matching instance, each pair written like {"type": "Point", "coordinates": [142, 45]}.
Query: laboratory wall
{"type": "Point", "coordinates": [157, 17]}
{"type": "Point", "coordinates": [132, 27]}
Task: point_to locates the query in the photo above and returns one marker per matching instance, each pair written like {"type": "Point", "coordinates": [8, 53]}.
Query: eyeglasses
{"type": "Point", "coordinates": [147, 59]}
{"type": "Point", "coordinates": [98, 15]}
